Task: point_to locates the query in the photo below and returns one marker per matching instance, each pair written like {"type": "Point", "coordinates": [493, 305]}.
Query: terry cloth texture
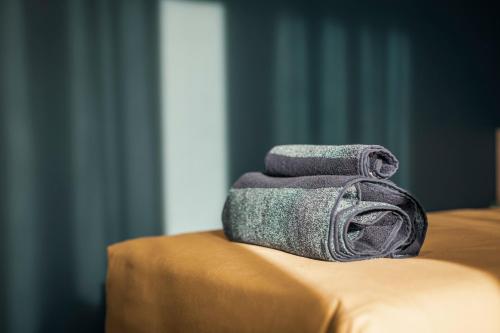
{"type": "Point", "coordinates": [309, 160]}
{"type": "Point", "coordinates": [335, 218]}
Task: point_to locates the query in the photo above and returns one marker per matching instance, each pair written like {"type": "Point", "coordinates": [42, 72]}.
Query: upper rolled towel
{"type": "Point", "coordinates": [334, 218]}
{"type": "Point", "coordinates": [309, 160]}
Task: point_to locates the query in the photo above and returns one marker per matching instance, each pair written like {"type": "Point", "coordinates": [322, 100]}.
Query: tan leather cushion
{"type": "Point", "coordinates": [201, 282]}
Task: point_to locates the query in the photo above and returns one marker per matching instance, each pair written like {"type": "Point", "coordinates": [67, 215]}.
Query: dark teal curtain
{"type": "Point", "coordinates": [420, 79]}
{"type": "Point", "coordinates": [80, 165]}
{"type": "Point", "coordinates": [315, 73]}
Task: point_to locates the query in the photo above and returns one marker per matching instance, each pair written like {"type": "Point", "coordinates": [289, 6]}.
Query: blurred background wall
{"type": "Point", "coordinates": [80, 157]}
{"type": "Point", "coordinates": [418, 77]}
{"type": "Point", "coordinates": [117, 116]}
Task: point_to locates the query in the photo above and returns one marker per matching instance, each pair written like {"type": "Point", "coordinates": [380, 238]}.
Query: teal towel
{"type": "Point", "coordinates": [335, 218]}
{"type": "Point", "coordinates": [309, 160]}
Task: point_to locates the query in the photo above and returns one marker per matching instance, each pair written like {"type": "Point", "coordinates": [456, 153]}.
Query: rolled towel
{"type": "Point", "coordinates": [334, 218]}
{"type": "Point", "coordinates": [309, 160]}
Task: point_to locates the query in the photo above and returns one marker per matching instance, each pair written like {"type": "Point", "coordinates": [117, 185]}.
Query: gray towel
{"type": "Point", "coordinates": [309, 160]}
{"type": "Point", "coordinates": [335, 218]}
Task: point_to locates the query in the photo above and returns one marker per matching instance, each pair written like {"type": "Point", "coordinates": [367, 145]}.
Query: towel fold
{"type": "Point", "coordinates": [327, 217]}
{"type": "Point", "coordinates": [309, 160]}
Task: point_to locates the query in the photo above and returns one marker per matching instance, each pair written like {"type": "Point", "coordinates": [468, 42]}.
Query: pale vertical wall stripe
{"type": "Point", "coordinates": [194, 114]}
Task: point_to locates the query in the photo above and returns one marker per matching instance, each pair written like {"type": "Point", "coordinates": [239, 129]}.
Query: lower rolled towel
{"type": "Point", "coordinates": [334, 218]}
{"type": "Point", "coordinates": [309, 160]}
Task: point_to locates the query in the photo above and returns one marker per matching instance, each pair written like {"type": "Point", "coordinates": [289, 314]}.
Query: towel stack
{"type": "Point", "coordinates": [326, 202]}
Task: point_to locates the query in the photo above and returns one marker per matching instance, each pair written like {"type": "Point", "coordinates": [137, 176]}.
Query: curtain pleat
{"type": "Point", "coordinates": [80, 145]}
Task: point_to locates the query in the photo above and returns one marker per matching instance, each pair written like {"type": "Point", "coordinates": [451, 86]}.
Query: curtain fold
{"type": "Point", "coordinates": [316, 76]}
{"type": "Point", "coordinates": [80, 153]}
